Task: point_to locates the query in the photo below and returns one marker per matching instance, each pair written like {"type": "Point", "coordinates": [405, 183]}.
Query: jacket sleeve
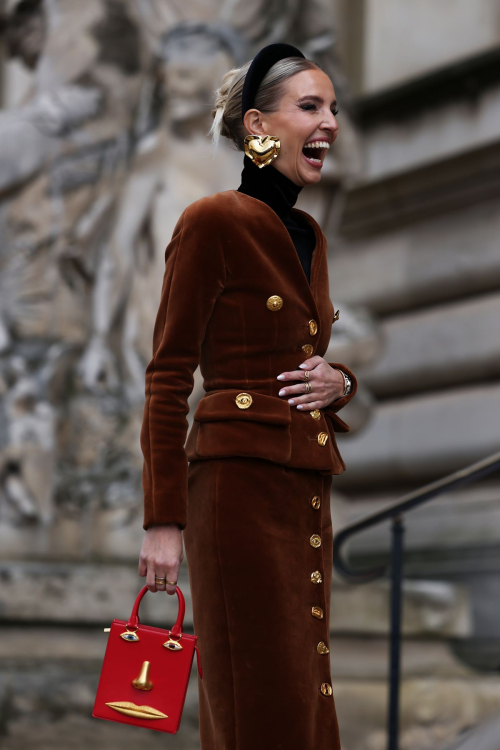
{"type": "Point", "coordinates": [332, 409]}
{"type": "Point", "coordinates": [194, 278]}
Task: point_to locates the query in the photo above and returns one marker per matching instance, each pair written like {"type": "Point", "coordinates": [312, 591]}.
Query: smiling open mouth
{"type": "Point", "coordinates": [315, 152]}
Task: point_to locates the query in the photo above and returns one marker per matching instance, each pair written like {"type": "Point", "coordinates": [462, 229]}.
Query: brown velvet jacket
{"type": "Point", "coordinates": [229, 254]}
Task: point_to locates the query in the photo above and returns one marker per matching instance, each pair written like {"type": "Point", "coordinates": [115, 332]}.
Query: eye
{"type": "Point", "coordinates": [313, 106]}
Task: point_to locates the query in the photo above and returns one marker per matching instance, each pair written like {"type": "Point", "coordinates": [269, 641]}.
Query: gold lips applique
{"type": "Point", "coordinates": [139, 712]}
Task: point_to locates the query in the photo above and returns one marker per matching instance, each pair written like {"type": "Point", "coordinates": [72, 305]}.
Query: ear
{"type": "Point", "coordinates": [252, 122]}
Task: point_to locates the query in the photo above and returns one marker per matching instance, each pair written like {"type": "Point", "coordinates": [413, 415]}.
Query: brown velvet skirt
{"type": "Point", "coordinates": [260, 617]}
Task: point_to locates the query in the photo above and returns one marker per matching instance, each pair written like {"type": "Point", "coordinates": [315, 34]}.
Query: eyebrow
{"type": "Point", "coordinates": [317, 99]}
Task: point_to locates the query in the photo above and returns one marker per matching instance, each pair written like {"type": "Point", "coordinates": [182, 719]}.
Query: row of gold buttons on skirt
{"type": "Point", "coordinates": [321, 648]}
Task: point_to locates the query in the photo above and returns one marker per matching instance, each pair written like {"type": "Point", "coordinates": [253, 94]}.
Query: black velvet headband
{"type": "Point", "coordinates": [262, 62]}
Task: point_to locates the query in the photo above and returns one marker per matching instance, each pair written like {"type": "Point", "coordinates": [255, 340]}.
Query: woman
{"type": "Point", "coordinates": [246, 295]}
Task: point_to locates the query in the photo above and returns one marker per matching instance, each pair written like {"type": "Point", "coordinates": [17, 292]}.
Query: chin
{"type": "Point", "coordinates": [311, 179]}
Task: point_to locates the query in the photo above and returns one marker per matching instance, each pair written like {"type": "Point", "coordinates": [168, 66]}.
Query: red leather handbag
{"type": "Point", "coordinates": [145, 672]}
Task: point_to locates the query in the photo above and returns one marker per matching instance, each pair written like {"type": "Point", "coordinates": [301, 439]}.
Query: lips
{"type": "Point", "coordinates": [138, 712]}
{"type": "Point", "coordinates": [314, 152]}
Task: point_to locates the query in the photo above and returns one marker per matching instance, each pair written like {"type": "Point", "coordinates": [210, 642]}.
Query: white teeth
{"type": "Point", "coordinates": [318, 144]}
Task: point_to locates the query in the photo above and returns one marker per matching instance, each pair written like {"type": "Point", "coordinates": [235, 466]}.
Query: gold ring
{"type": "Point", "coordinates": [160, 580]}
{"type": "Point", "coordinates": [306, 375]}
{"type": "Point", "coordinates": [308, 387]}
{"type": "Point", "coordinates": [172, 583]}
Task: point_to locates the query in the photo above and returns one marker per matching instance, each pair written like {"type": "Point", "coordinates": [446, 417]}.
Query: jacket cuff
{"type": "Point", "coordinates": [149, 522]}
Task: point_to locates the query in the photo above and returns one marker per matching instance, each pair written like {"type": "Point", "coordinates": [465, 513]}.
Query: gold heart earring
{"type": "Point", "coordinates": [262, 149]}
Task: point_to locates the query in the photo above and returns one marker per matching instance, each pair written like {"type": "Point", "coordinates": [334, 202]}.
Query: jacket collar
{"type": "Point", "coordinates": [291, 260]}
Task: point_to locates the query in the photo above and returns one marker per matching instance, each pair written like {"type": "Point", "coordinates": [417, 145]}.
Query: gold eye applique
{"type": "Point", "coordinates": [129, 635]}
{"type": "Point", "coordinates": [173, 645]}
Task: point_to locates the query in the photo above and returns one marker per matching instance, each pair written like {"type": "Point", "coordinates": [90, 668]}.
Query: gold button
{"type": "Point", "coordinates": [317, 612]}
{"type": "Point", "coordinates": [313, 327]}
{"type": "Point", "coordinates": [316, 577]}
{"type": "Point", "coordinates": [315, 540]}
{"type": "Point", "coordinates": [316, 502]}
{"type": "Point", "coordinates": [322, 648]}
{"type": "Point", "coordinates": [243, 400]}
{"type": "Point", "coordinates": [322, 438]}
{"type": "Point", "coordinates": [274, 303]}
{"type": "Point", "coordinates": [315, 414]}
{"type": "Point", "coordinates": [308, 349]}
{"type": "Point", "coordinates": [326, 688]}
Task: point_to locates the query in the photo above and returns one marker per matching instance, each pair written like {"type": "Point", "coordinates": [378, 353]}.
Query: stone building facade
{"type": "Point", "coordinates": [104, 111]}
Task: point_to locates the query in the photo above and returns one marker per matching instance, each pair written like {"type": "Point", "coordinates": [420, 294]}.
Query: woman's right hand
{"type": "Point", "coordinates": [161, 556]}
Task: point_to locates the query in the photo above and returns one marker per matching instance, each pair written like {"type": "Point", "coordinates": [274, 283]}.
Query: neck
{"type": "Point", "coordinates": [269, 185]}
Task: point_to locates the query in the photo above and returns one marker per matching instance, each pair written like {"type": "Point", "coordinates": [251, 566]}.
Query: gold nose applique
{"type": "Point", "coordinates": [322, 438]}
{"type": "Point", "coordinates": [316, 502]}
{"type": "Point", "coordinates": [313, 327]}
{"type": "Point", "coordinates": [243, 400]}
{"type": "Point", "coordinates": [142, 681]}
{"type": "Point", "coordinates": [316, 577]}
{"type": "Point", "coordinates": [274, 303]}
{"type": "Point", "coordinates": [336, 316]}
{"type": "Point", "coordinates": [308, 349]}
{"type": "Point", "coordinates": [315, 540]}
{"type": "Point", "coordinates": [315, 414]}
{"type": "Point", "coordinates": [326, 688]}
{"type": "Point", "coordinates": [317, 612]}
{"type": "Point", "coordinates": [322, 648]}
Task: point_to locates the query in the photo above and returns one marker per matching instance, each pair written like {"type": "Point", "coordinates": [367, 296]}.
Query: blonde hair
{"type": "Point", "coordinates": [227, 106]}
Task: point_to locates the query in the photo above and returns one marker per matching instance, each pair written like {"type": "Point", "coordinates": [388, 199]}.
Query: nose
{"type": "Point", "coordinates": [331, 129]}
{"type": "Point", "coordinates": [330, 126]}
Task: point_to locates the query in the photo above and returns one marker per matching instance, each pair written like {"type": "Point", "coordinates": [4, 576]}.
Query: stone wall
{"type": "Point", "coordinates": [415, 270]}
{"type": "Point", "coordinates": [102, 145]}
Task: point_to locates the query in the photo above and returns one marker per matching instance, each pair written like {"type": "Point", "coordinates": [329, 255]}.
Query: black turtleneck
{"type": "Point", "coordinates": [279, 192]}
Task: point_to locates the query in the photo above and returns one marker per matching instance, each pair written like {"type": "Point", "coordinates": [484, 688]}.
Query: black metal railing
{"type": "Point", "coordinates": [396, 511]}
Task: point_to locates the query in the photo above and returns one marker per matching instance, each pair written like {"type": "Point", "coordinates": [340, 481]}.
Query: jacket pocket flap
{"type": "Point", "coordinates": [232, 404]}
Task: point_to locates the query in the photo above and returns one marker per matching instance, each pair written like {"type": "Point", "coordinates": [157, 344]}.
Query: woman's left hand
{"type": "Point", "coordinates": [327, 385]}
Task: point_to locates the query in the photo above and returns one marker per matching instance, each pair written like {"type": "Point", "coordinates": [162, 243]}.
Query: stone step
{"type": "Point", "coordinates": [433, 711]}
{"type": "Point", "coordinates": [434, 608]}
{"type": "Point", "coordinates": [48, 684]}
{"type": "Point", "coordinates": [422, 438]}
{"type": "Point", "coordinates": [95, 594]}
{"type": "Point", "coordinates": [484, 737]}
{"type": "Point", "coordinates": [429, 261]}
{"type": "Point", "coordinates": [84, 593]}
{"type": "Point", "coordinates": [50, 674]}
{"type": "Point", "coordinates": [462, 519]}
{"type": "Point", "coordinates": [435, 347]}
